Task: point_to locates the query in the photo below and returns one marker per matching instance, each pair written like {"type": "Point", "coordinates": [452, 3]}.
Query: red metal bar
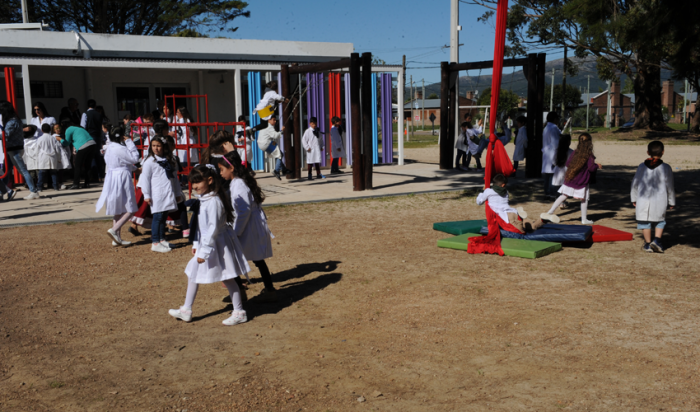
{"type": "Point", "coordinates": [4, 155]}
{"type": "Point", "coordinates": [334, 105]}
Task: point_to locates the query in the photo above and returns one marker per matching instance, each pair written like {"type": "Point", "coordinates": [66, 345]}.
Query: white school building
{"type": "Point", "coordinates": [131, 74]}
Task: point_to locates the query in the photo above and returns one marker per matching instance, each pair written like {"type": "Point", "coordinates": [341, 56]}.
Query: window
{"type": "Point", "coordinates": [43, 89]}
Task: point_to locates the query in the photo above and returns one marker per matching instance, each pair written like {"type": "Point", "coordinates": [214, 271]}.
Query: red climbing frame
{"type": "Point", "coordinates": [10, 93]}
{"type": "Point", "coordinates": [143, 130]}
{"type": "Point", "coordinates": [334, 104]}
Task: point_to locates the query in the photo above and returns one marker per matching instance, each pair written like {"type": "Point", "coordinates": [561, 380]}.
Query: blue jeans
{"type": "Point", "coordinates": [16, 157]}
{"type": "Point", "coordinates": [648, 225]}
{"type": "Point", "coordinates": [158, 227]}
{"type": "Point", "coordinates": [548, 188]}
{"type": "Point", "coordinates": [54, 178]}
{"type": "Point", "coordinates": [279, 166]}
{"type": "Point", "coordinates": [461, 154]}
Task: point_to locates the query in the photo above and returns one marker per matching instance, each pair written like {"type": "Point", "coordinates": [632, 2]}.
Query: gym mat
{"type": "Point", "coordinates": [608, 234]}
{"type": "Point", "coordinates": [529, 249]}
{"type": "Point", "coordinates": [551, 232]}
{"type": "Point", "coordinates": [460, 227]}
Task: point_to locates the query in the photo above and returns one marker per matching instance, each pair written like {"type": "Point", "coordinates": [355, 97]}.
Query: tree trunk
{"type": "Point", "coordinates": [695, 121]}
{"type": "Point", "coordinates": [647, 91]}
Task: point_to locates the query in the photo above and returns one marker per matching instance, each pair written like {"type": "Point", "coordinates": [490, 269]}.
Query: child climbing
{"type": "Point", "coordinates": [580, 166]}
{"type": "Point", "coordinates": [520, 141]}
{"type": "Point", "coordinates": [268, 141]}
{"type": "Point", "coordinates": [250, 222]}
{"type": "Point", "coordinates": [652, 192]}
{"type": "Point", "coordinates": [498, 199]}
{"type": "Point", "coordinates": [267, 105]}
{"type": "Point", "coordinates": [118, 191]}
{"type": "Point", "coordinates": [313, 144]}
{"type": "Point", "coordinates": [217, 255]}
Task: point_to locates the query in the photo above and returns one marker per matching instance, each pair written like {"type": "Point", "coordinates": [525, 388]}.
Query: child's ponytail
{"type": "Point", "coordinates": [203, 172]}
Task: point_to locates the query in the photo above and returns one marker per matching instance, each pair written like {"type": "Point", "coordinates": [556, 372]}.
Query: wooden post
{"type": "Point", "coordinates": [451, 132]}
{"type": "Point", "coordinates": [358, 182]}
{"type": "Point", "coordinates": [367, 118]}
{"type": "Point", "coordinates": [539, 121]}
{"type": "Point", "coordinates": [445, 149]}
{"type": "Point", "coordinates": [296, 125]}
{"type": "Point", "coordinates": [287, 133]}
{"type": "Point", "coordinates": [534, 147]}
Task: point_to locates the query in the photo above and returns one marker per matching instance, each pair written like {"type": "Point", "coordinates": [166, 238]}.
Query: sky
{"type": "Point", "coordinates": [386, 28]}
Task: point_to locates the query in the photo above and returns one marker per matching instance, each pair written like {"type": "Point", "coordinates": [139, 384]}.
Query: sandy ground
{"type": "Point", "coordinates": [369, 309]}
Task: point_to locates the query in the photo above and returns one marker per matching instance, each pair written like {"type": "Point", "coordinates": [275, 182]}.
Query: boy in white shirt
{"type": "Point", "coordinates": [313, 144]}
{"type": "Point", "coordinates": [497, 196]}
{"type": "Point", "coordinates": [268, 141]}
{"type": "Point", "coordinates": [652, 192]}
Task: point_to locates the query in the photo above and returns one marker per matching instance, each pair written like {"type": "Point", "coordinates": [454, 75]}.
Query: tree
{"type": "Point", "coordinates": [628, 88]}
{"type": "Point", "coordinates": [433, 96]}
{"type": "Point", "coordinates": [578, 118]}
{"type": "Point", "coordinates": [685, 58]}
{"type": "Point", "coordinates": [142, 17]}
{"type": "Point", "coordinates": [507, 101]}
{"type": "Point", "coordinates": [573, 96]}
{"type": "Point", "coordinates": [622, 34]}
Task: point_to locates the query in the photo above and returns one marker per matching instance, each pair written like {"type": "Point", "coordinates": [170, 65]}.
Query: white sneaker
{"type": "Point", "coordinates": [158, 247]}
{"type": "Point", "coordinates": [236, 318]}
{"type": "Point", "coordinates": [586, 222]}
{"type": "Point", "coordinates": [184, 315]}
{"type": "Point", "coordinates": [64, 187]}
{"type": "Point", "coordinates": [114, 236]}
{"type": "Point", "coordinates": [32, 196]}
{"type": "Point", "coordinates": [125, 243]}
{"type": "Point", "coordinates": [166, 244]}
{"type": "Point", "coordinates": [521, 212]}
{"type": "Point", "coordinates": [550, 217]}
{"type": "Point", "coordinates": [115, 243]}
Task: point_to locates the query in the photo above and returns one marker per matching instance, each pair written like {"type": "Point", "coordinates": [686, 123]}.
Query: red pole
{"type": "Point", "coordinates": [501, 22]}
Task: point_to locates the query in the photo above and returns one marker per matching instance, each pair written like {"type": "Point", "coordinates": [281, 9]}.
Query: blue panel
{"type": "Point", "coordinates": [254, 96]}
{"type": "Point", "coordinates": [375, 131]}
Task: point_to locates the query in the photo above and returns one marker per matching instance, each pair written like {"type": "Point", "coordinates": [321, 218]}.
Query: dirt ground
{"type": "Point", "coordinates": [370, 310]}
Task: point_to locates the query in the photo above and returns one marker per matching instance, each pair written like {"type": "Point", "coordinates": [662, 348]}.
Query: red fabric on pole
{"type": "Point", "coordinates": [491, 243]}
{"type": "Point", "coordinates": [497, 157]}
{"type": "Point", "coordinates": [498, 52]}
{"type": "Point", "coordinates": [333, 104]}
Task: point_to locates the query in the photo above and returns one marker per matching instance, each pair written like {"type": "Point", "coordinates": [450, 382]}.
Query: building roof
{"type": "Point", "coordinates": [418, 104]}
{"type": "Point", "coordinates": [91, 45]}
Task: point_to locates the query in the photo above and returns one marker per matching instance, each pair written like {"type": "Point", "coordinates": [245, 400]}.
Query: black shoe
{"type": "Point", "coordinates": [134, 231]}
{"type": "Point", "coordinates": [310, 177]}
{"type": "Point", "coordinates": [74, 187]}
{"type": "Point", "coordinates": [277, 175]}
{"type": "Point", "coordinates": [336, 172]}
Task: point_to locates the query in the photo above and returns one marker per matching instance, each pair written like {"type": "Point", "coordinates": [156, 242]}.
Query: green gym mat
{"type": "Point", "coordinates": [461, 227]}
{"type": "Point", "coordinates": [529, 249]}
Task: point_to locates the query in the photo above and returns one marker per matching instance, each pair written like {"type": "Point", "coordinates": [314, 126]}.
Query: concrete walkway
{"type": "Point", "coordinates": [390, 180]}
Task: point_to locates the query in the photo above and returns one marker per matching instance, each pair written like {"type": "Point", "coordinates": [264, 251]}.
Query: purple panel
{"type": "Point", "coordinates": [387, 120]}
{"type": "Point", "coordinates": [280, 109]}
{"type": "Point", "coordinates": [348, 120]}
{"type": "Point", "coordinates": [322, 115]}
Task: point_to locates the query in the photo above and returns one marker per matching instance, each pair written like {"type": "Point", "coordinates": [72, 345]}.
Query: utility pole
{"type": "Point", "coordinates": [402, 105]}
{"type": "Point", "coordinates": [685, 101]}
{"type": "Point", "coordinates": [422, 112]}
{"type": "Point", "coordinates": [563, 85]}
{"type": "Point", "coordinates": [608, 123]}
{"type": "Point", "coordinates": [588, 99]}
{"type": "Point", "coordinates": [412, 100]}
{"type": "Point", "coordinates": [454, 51]}
{"type": "Point", "coordinates": [551, 93]}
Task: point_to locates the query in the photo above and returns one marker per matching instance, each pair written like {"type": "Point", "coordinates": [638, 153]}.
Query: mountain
{"type": "Point", "coordinates": [514, 79]}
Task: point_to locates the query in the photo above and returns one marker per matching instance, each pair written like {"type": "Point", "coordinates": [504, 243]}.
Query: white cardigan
{"type": "Point", "coordinates": [653, 192]}
{"type": "Point", "coordinates": [155, 185]}
{"type": "Point", "coordinates": [250, 223]}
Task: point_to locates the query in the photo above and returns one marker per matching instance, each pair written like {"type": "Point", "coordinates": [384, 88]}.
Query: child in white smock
{"type": "Point", "coordinates": [159, 185]}
{"type": "Point", "coordinates": [118, 196]}
{"type": "Point", "coordinates": [313, 145]}
{"type": "Point", "coordinates": [217, 255]}
{"type": "Point", "coordinates": [250, 222]}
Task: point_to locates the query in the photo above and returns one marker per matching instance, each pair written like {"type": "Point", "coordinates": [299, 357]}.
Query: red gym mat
{"type": "Point", "coordinates": [607, 234]}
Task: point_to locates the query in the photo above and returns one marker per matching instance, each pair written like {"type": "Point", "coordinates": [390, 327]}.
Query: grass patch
{"type": "Point", "coordinates": [56, 384]}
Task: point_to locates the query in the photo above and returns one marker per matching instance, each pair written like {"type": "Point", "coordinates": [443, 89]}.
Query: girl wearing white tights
{"type": "Point", "coordinates": [580, 166]}
{"type": "Point", "coordinates": [217, 254]}
{"type": "Point", "coordinates": [118, 190]}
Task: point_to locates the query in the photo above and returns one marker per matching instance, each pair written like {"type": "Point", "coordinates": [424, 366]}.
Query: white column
{"type": "Point", "coordinates": [27, 94]}
{"type": "Point", "coordinates": [238, 93]}
{"type": "Point", "coordinates": [400, 99]}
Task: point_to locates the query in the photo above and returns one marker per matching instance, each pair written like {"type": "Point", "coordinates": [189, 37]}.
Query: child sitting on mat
{"type": "Point", "coordinates": [652, 192]}
{"type": "Point", "coordinates": [497, 196]}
